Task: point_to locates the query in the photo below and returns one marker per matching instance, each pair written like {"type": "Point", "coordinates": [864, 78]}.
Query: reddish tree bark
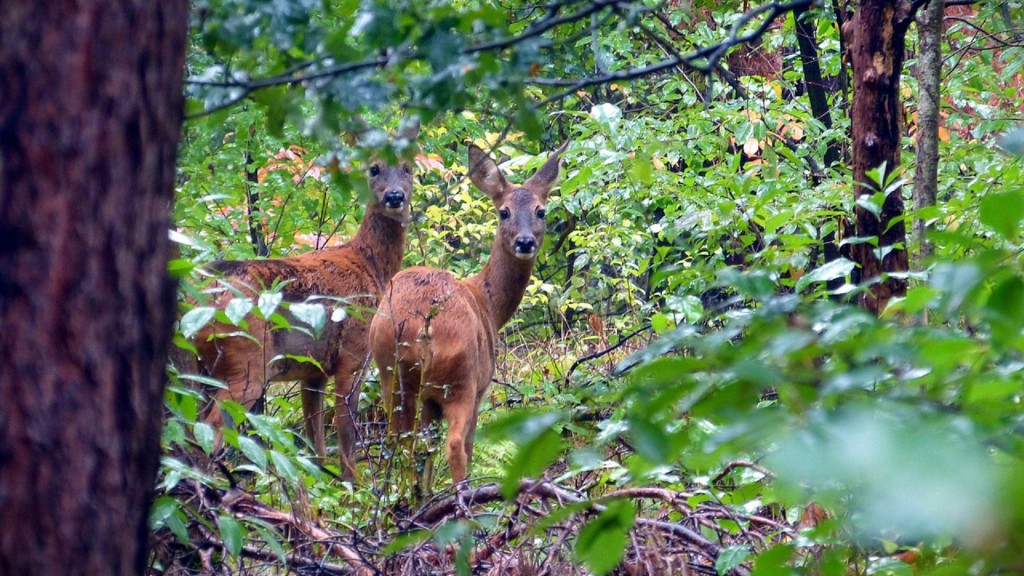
{"type": "Point", "coordinates": [879, 29]}
{"type": "Point", "coordinates": [90, 114]}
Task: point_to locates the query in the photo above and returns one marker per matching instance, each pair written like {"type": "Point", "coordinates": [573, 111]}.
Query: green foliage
{"type": "Point", "coordinates": [602, 541]}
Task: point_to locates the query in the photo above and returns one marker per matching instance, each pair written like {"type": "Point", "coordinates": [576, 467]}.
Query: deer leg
{"type": "Point", "coordinates": [241, 387]}
{"type": "Point", "coordinates": [430, 413]}
{"type": "Point", "coordinates": [470, 433]}
{"type": "Point", "coordinates": [347, 381]}
{"type": "Point", "coordinates": [313, 413]}
{"type": "Point", "coordinates": [460, 414]}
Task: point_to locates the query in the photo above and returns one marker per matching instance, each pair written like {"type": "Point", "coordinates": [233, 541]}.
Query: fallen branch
{"type": "Point", "coordinates": [243, 505]}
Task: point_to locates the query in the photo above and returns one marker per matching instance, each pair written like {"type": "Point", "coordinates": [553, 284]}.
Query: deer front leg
{"type": "Point", "coordinates": [313, 413]}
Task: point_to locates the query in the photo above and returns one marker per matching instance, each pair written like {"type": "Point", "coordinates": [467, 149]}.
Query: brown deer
{"type": "Point", "coordinates": [356, 272]}
{"type": "Point", "coordinates": [435, 334]}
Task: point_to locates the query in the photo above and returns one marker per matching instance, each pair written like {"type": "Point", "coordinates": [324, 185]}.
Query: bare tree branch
{"type": "Point", "coordinates": [704, 59]}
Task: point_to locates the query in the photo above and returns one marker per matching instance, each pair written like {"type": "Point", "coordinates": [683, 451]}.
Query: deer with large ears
{"type": "Point", "coordinates": [356, 272]}
{"type": "Point", "coordinates": [433, 338]}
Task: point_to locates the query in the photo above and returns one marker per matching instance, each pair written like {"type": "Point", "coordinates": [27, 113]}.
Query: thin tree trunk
{"type": "Point", "coordinates": [879, 31]}
{"type": "Point", "coordinates": [252, 196]}
{"type": "Point", "coordinates": [90, 115]}
{"type": "Point", "coordinates": [816, 95]}
{"type": "Point", "coordinates": [929, 69]}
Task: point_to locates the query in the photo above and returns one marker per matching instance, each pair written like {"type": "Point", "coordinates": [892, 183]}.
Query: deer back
{"type": "Point", "coordinates": [355, 272]}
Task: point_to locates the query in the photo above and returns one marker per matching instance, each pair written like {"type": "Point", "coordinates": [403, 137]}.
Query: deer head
{"type": "Point", "coordinates": [390, 183]}
{"type": "Point", "coordinates": [521, 209]}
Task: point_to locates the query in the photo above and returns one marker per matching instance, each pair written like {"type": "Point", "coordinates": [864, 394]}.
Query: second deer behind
{"type": "Point", "coordinates": [433, 338]}
{"type": "Point", "coordinates": [356, 272]}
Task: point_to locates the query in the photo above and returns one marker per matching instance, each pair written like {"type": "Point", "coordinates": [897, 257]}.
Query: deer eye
{"type": "Point", "coordinates": [504, 214]}
{"type": "Point", "coordinates": [375, 170]}
{"type": "Point", "coordinates": [407, 168]}
{"type": "Point", "coordinates": [541, 213]}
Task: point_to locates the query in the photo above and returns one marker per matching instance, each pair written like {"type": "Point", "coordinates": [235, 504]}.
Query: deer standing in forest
{"type": "Point", "coordinates": [433, 338]}
{"type": "Point", "coordinates": [356, 272]}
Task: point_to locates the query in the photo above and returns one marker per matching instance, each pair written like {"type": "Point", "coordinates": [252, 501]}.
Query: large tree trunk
{"type": "Point", "coordinates": [90, 114]}
{"type": "Point", "coordinates": [929, 71]}
{"type": "Point", "coordinates": [879, 30]}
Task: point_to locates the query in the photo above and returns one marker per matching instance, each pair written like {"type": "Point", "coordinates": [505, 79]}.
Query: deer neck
{"type": "Point", "coordinates": [381, 241]}
{"type": "Point", "coordinates": [502, 283]}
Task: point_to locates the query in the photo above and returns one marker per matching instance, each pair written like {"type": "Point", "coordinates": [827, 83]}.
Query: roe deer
{"type": "Point", "coordinates": [356, 271]}
{"type": "Point", "coordinates": [436, 334]}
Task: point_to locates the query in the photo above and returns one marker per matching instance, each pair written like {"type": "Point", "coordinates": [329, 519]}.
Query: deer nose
{"type": "Point", "coordinates": [394, 199]}
{"type": "Point", "coordinates": [525, 245]}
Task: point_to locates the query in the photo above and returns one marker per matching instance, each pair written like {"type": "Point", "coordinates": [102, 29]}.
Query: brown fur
{"type": "Point", "coordinates": [435, 329]}
{"type": "Point", "coordinates": [357, 272]}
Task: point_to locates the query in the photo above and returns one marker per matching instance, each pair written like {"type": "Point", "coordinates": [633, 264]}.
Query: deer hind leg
{"type": "Point", "coordinates": [461, 414]}
{"type": "Point", "coordinates": [404, 398]}
{"type": "Point", "coordinates": [430, 413]}
{"type": "Point", "coordinates": [470, 433]}
{"type": "Point", "coordinates": [347, 380]}
{"type": "Point", "coordinates": [313, 413]}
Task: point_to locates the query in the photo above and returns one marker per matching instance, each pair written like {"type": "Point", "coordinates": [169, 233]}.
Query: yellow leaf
{"type": "Point", "coordinates": [751, 146]}
{"type": "Point", "coordinates": [943, 134]}
{"type": "Point", "coordinates": [795, 131]}
{"type": "Point", "coordinates": [658, 164]}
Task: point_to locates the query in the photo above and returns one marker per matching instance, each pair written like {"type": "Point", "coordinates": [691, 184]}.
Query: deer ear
{"type": "Point", "coordinates": [485, 174]}
{"type": "Point", "coordinates": [542, 181]}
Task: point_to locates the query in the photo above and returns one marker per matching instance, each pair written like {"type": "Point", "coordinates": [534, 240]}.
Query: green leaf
{"type": "Point", "coordinates": [195, 319]}
{"type": "Point", "coordinates": [522, 426]}
{"type": "Point", "coordinates": [237, 309]}
{"type": "Point", "coordinates": [313, 315]}
{"type": "Point", "coordinates": [205, 380]}
{"type": "Point", "coordinates": [642, 170]}
{"type": "Point", "coordinates": [774, 561]}
{"type": "Point", "coordinates": [1002, 212]}
{"type": "Point", "coordinates": [607, 115]}
{"type": "Point", "coordinates": [688, 305]}
{"type": "Point", "coordinates": [231, 534]}
{"type": "Point", "coordinates": [268, 303]}
{"type": "Point", "coordinates": [531, 458]}
{"type": "Point", "coordinates": [838, 268]}
{"type": "Point", "coordinates": [272, 540]}
{"type": "Point", "coordinates": [730, 558]}
{"type": "Point", "coordinates": [405, 540]}
{"type": "Point", "coordinates": [660, 323]}
{"type": "Point", "coordinates": [284, 467]}
{"type": "Point", "coordinates": [176, 524]}
{"type": "Point", "coordinates": [602, 541]}
{"type": "Point", "coordinates": [204, 435]}
{"type": "Point", "coordinates": [162, 508]}
{"type": "Point", "coordinates": [650, 440]}
{"type": "Point", "coordinates": [955, 282]}
{"type": "Point", "coordinates": [253, 451]}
